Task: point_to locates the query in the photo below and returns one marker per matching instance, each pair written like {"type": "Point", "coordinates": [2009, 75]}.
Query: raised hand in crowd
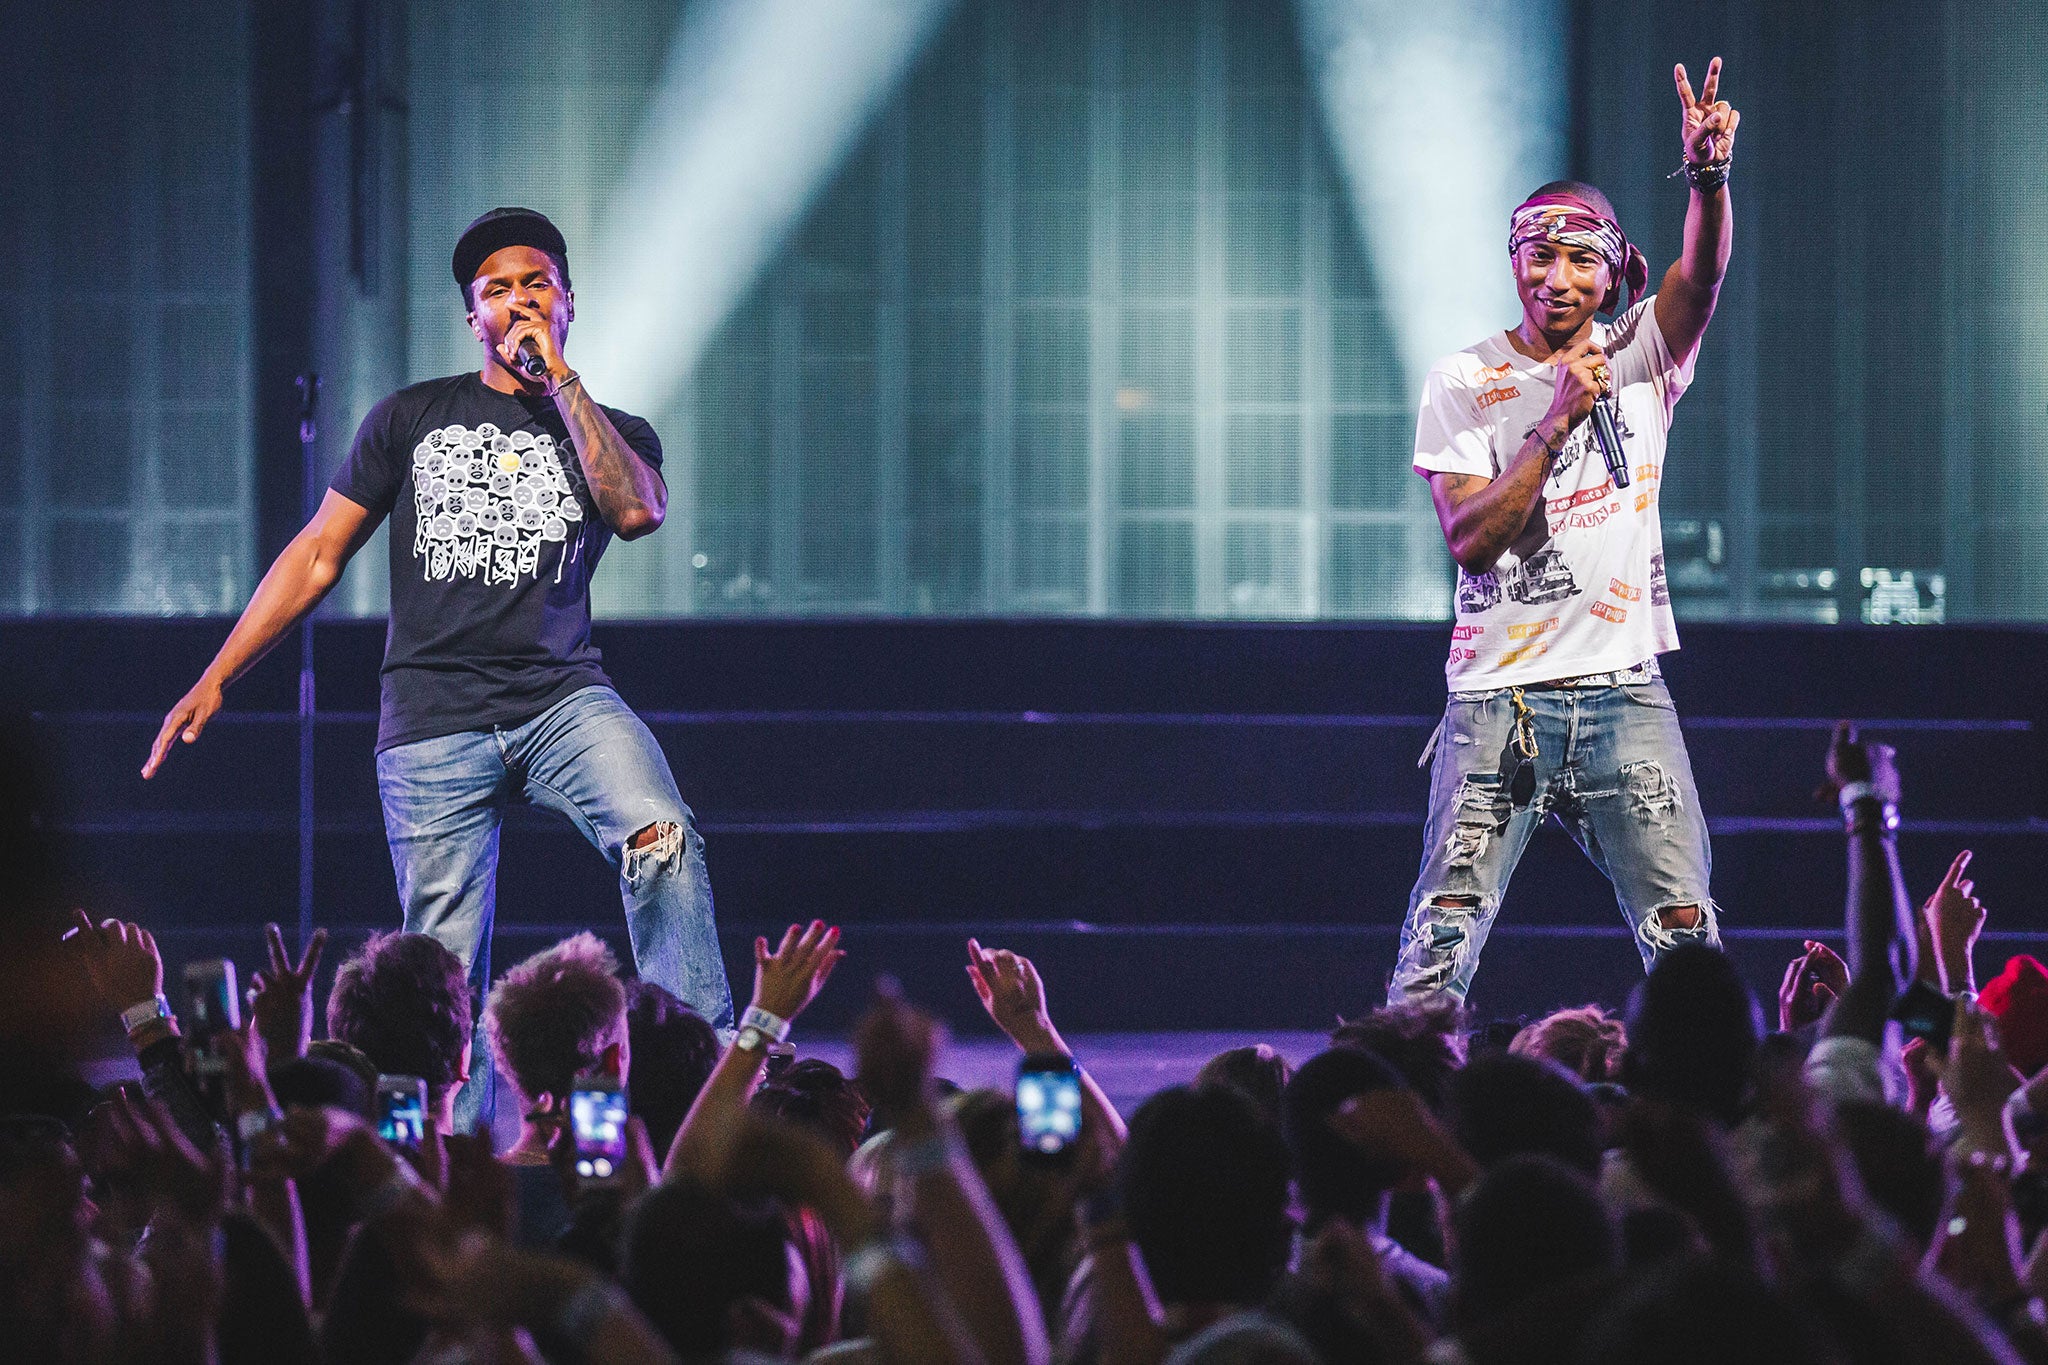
{"type": "Point", "coordinates": [1954, 918]}
{"type": "Point", "coordinates": [1009, 988]}
{"type": "Point", "coordinates": [1978, 1080]}
{"type": "Point", "coordinates": [909, 1314]}
{"type": "Point", "coordinates": [1813, 981]}
{"type": "Point", "coordinates": [1880, 923]}
{"type": "Point", "coordinates": [176, 1175]}
{"type": "Point", "coordinates": [1344, 1286]}
{"type": "Point", "coordinates": [281, 995]}
{"type": "Point", "coordinates": [121, 958]}
{"type": "Point", "coordinates": [1820, 1225]}
{"type": "Point", "coordinates": [786, 981]}
{"type": "Point", "coordinates": [938, 1192]}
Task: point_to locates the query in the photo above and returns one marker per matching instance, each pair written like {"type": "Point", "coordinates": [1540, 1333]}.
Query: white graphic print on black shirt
{"type": "Point", "coordinates": [486, 502]}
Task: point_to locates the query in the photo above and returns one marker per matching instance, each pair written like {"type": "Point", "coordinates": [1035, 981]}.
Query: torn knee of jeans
{"type": "Point", "coordinates": [653, 847]}
{"type": "Point", "coordinates": [1443, 934]}
{"type": "Point", "coordinates": [1447, 922]}
{"type": "Point", "coordinates": [1668, 926]}
{"type": "Point", "coordinates": [1651, 792]}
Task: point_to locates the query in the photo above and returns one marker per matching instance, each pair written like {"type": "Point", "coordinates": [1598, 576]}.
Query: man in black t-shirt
{"type": "Point", "coordinates": [503, 487]}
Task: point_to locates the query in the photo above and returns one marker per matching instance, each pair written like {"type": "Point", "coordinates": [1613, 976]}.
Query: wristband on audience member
{"type": "Point", "coordinates": [588, 1307]}
{"type": "Point", "coordinates": [868, 1262]}
{"type": "Point", "coordinates": [1864, 808]}
{"type": "Point", "coordinates": [773, 1026]}
{"type": "Point", "coordinates": [145, 1012]}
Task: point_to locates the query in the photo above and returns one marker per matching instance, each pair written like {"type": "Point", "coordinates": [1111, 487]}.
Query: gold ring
{"type": "Point", "coordinates": [1600, 376]}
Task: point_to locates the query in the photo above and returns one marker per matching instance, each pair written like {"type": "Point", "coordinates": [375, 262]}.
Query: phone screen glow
{"type": "Point", "coordinates": [1048, 1110]}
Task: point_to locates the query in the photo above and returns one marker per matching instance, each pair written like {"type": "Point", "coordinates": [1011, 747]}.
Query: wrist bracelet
{"type": "Point", "coordinates": [1704, 176]}
{"type": "Point", "coordinates": [773, 1025]}
{"type": "Point", "coordinates": [571, 378]}
{"type": "Point", "coordinates": [145, 1012]}
{"type": "Point", "coordinates": [594, 1301]}
{"type": "Point", "coordinates": [1871, 816]}
{"type": "Point", "coordinates": [1864, 808]}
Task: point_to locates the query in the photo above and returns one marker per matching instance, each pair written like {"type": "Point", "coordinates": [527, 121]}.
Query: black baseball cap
{"type": "Point", "coordinates": [501, 228]}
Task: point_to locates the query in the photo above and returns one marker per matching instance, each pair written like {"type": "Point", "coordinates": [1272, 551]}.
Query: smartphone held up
{"type": "Point", "coordinates": [1048, 1108]}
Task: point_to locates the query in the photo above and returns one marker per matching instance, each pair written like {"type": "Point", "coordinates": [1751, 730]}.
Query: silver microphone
{"type": "Point", "coordinates": [530, 360]}
{"type": "Point", "coordinates": [1608, 434]}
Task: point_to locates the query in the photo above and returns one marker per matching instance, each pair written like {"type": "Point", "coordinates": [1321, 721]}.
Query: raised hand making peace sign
{"type": "Point", "coordinates": [1707, 124]}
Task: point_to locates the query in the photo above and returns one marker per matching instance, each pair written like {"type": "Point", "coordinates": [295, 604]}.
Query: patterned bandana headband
{"type": "Point", "coordinates": [1573, 222]}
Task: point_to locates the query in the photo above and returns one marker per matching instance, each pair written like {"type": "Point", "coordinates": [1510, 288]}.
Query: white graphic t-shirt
{"type": "Point", "coordinates": [1582, 590]}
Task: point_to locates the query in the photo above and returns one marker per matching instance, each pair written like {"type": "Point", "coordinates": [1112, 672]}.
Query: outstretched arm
{"type": "Point", "coordinates": [307, 570]}
{"type": "Point", "coordinates": [1014, 997]}
{"type": "Point", "coordinates": [786, 981]}
{"type": "Point", "coordinates": [1685, 301]}
{"type": "Point", "coordinates": [1880, 922]}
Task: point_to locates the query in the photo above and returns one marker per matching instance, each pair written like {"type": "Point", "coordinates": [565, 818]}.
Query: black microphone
{"type": "Point", "coordinates": [1609, 436]}
{"type": "Point", "coordinates": [530, 360]}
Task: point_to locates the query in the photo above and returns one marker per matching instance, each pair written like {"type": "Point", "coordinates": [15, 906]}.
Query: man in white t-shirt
{"type": "Point", "coordinates": [1556, 703]}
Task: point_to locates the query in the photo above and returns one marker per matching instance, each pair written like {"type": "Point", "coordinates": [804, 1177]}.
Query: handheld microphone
{"type": "Point", "coordinates": [530, 360]}
{"type": "Point", "coordinates": [1608, 434]}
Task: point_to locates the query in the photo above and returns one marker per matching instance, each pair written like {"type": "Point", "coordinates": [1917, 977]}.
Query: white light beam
{"type": "Point", "coordinates": [760, 101]}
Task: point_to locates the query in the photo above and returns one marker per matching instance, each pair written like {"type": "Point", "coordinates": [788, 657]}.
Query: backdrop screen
{"type": "Point", "coordinates": [1070, 307]}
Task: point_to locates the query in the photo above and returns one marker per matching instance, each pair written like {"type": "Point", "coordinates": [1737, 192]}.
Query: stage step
{"type": "Point", "coordinates": [1209, 826]}
{"type": "Point", "coordinates": [800, 769]}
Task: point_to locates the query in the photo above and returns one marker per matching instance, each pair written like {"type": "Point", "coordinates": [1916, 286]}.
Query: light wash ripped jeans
{"type": "Point", "coordinates": [592, 759]}
{"type": "Point", "coordinates": [1610, 765]}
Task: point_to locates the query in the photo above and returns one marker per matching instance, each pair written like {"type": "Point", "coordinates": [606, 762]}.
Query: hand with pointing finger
{"type": "Point", "coordinates": [1707, 124]}
{"type": "Point", "coordinates": [1954, 917]}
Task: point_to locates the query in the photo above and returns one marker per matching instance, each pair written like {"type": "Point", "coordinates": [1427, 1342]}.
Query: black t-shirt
{"type": "Point", "coordinates": [494, 537]}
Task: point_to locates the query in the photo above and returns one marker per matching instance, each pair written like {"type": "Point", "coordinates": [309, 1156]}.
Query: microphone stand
{"type": "Point", "coordinates": [308, 385]}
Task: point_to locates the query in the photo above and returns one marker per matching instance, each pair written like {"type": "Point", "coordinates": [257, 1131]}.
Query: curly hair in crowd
{"type": "Point", "coordinates": [402, 1000]}
{"type": "Point", "coordinates": [1586, 1040]}
{"type": "Point", "coordinates": [552, 1017]}
{"type": "Point", "coordinates": [1423, 1040]}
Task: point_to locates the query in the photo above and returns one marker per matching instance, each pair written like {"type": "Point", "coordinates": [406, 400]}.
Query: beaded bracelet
{"type": "Point", "coordinates": [1704, 176]}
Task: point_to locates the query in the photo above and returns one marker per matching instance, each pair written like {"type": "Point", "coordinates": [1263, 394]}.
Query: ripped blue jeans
{"type": "Point", "coordinates": [1611, 765]}
{"type": "Point", "coordinates": [591, 759]}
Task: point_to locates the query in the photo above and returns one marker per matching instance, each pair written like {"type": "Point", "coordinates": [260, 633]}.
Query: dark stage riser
{"type": "Point", "coordinates": [1193, 826]}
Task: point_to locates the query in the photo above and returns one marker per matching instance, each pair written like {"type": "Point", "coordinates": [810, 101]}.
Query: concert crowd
{"type": "Point", "coordinates": [1845, 1174]}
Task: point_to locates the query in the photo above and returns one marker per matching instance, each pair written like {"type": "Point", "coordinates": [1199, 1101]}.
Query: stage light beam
{"type": "Point", "coordinates": [759, 102]}
{"type": "Point", "coordinates": [1442, 118]}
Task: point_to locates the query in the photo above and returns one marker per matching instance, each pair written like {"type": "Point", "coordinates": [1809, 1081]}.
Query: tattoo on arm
{"type": "Point", "coordinates": [628, 492]}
